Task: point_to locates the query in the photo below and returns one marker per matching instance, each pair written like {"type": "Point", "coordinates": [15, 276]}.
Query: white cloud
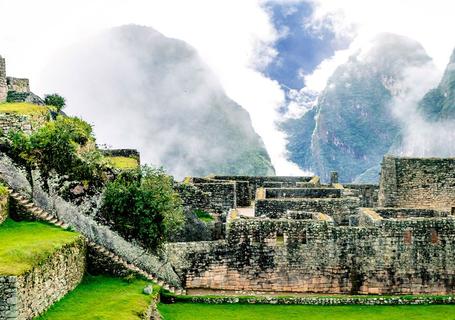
{"type": "Point", "coordinates": [234, 37]}
{"type": "Point", "coordinates": [428, 21]}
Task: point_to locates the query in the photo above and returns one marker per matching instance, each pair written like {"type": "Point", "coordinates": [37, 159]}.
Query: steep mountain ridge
{"type": "Point", "coordinates": [439, 103]}
{"type": "Point", "coordinates": [146, 91]}
{"type": "Point", "coordinates": [353, 125]}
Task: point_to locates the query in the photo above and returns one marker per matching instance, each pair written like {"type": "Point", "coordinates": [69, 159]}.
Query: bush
{"type": "Point", "coordinates": [142, 205]}
{"type": "Point", "coordinates": [65, 145]}
{"type": "Point", "coordinates": [55, 100]}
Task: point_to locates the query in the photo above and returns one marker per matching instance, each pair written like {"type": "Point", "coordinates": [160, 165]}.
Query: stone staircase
{"type": "Point", "coordinates": [41, 214]}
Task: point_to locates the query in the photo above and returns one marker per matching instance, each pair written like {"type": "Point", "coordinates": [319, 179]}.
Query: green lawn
{"type": "Point", "coordinates": [102, 298]}
{"type": "Point", "coordinates": [190, 311]}
{"type": "Point", "coordinates": [23, 108]}
{"type": "Point", "coordinates": [123, 163]}
{"type": "Point", "coordinates": [25, 244]}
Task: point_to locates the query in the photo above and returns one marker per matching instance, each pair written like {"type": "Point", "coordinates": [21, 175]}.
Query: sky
{"type": "Point", "coordinates": [261, 51]}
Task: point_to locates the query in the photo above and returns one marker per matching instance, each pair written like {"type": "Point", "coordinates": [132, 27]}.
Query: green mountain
{"type": "Point", "coordinates": [439, 103]}
{"type": "Point", "coordinates": [352, 126]}
{"type": "Point", "coordinates": [143, 90]}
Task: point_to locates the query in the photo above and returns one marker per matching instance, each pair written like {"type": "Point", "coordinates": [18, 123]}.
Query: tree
{"type": "Point", "coordinates": [55, 100]}
{"type": "Point", "coordinates": [143, 205]}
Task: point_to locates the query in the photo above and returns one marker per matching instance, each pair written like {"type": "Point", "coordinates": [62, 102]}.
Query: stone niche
{"type": "Point", "coordinates": [30, 294]}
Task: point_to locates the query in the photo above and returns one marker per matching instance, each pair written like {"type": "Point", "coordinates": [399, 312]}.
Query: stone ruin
{"type": "Point", "coordinates": [296, 235]}
{"type": "Point", "coordinates": [15, 89]}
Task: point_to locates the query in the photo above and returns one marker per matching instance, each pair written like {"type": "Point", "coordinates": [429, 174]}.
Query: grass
{"type": "Point", "coordinates": [25, 244]}
{"type": "Point", "coordinates": [23, 108]}
{"type": "Point", "coordinates": [102, 297]}
{"type": "Point", "coordinates": [190, 311]}
{"type": "Point", "coordinates": [123, 163]}
{"type": "Point", "coordinates": [203, 215]}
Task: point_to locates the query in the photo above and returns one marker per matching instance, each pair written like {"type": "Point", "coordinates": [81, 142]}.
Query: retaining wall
{"type": "Point", "coordinates": [338, 208]}
{"type": "Point", "coordinates": [28, 295]}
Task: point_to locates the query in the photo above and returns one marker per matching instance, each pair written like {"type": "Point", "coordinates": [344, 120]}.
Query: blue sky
{"type": "Point", "coordinates": [299, 49]}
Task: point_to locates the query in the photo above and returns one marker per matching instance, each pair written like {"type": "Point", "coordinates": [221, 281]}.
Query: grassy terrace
{"type": "Point", "coordinates": [102, 298]}
{"type": "Point", "coordinates": [123, 163]}
{"type": "Point", "coordinates": [190, 311]}
{"type": "Point", "coordinates": [25, 244]}
{"type": "Point", "coordinates": [23, 108]}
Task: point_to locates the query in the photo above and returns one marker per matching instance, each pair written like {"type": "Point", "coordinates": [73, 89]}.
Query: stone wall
{"type": "Point", "coordinates": [338, 208]}
{"type": "Point", "coordinates": [242, 189]}
{"type": "Point", "coordinates": [367, 193]}
{"type": "Point", "coordinates": [18, 84]}
{"type": "Point", "coordinates": [302, 193]}
{"type": "Point", "coordinates": [265, 181]}
{"type": "Point", "coordinates": [417, 183]}
{"type": "Point", "coordinates": [222, 195]}
{"type": "Point", "coordinates": [3, 207]}
{"type": "Point", "coordinates": [28, 295]}
{"type": "Point", "coordinates": [3, 85]}
{"type": "Point", "coordinates": [410, 256]}
{"type": "Point", "coordinates": [26, 123]}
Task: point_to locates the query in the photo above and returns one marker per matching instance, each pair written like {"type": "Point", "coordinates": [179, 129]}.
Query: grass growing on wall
{"type": "Point", "coordinates": [23, 108]}
{"type": "Point", "coordinates": [190, 311]}
{"type": "Point", "coordinates": [203, 215]}
{"type": "Point", "coordinates": [123, 163]}
{"type": "Point", "coordinates": [25, 244]}
{"type": "Point", "coordinates": [104, 298]}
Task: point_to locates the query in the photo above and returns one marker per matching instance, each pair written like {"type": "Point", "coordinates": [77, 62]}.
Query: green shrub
{"type": "Point", "coordinates": [65, 145]}
{"type": "Point", "coordinates": [142, 205]}
{"type": "Point", "coordinates": [55, 100]}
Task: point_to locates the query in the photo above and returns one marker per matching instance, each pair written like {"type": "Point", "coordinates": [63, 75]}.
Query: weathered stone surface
{"type": "Point", "coordinates": [406, 256]}
{"type": "Point", "coordinates": [338, 208]}
{"type": "Point", "coordinates": [18, 84]}
{"type": "Point", "coordinates": [417, 183]}
{"type": "Point", "coordinates": [28, 295]}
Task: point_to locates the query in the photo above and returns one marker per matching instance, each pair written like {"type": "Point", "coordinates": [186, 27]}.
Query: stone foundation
{"type": "Point", "coordinates": [392, 256]}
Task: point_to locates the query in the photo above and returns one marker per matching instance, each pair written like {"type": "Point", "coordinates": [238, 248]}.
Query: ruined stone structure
{"type": "Point", "coordinates": [417, 183]}
{"type": "Point", "coordinates": [300, 236]}
{"type": "Point", "coordinates": [15, 89]}
{"type": "Point", "coordinates": [3, 84]}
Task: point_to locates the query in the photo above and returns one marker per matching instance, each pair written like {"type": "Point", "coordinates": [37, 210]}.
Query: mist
{"type": "Point", "coordinates": [145, 91]}
{"type": "Point", "coordinates": [421, 137]}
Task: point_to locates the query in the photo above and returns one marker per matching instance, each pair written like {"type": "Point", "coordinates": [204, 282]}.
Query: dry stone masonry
{"type": "Point", "coordinates": [310, 238]}
{"type": "Point", "coordinates": [15, 89]}
{"type": "Point", "coordinates": [27, 295]}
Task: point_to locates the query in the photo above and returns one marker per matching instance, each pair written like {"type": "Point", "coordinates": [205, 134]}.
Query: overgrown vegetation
{"type": "Point", "coordinates": [55, 100]}
{"type": "Point", "coordinates": [143, 205]}
{"type": "Point", "coordinates": [66, 146]}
